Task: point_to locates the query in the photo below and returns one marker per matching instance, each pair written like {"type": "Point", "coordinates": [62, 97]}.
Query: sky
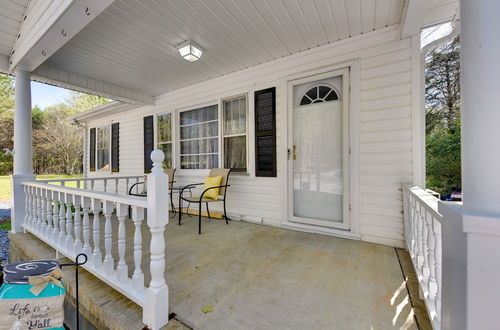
{"type": "Point", "coordinates": [434, 32]}
{"type": "Point", "coordinates": [43, 95]}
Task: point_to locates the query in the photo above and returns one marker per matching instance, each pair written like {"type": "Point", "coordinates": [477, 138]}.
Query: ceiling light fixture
{"type": "Point", "coordinates": [190, 51]}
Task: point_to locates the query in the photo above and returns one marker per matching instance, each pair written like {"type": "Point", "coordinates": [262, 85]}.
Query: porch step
{"type": "Point", "coordinates": [100, 305]}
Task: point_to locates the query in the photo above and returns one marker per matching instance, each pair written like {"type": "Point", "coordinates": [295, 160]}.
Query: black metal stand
{"type": "Point", "coordinates": [76, 265]}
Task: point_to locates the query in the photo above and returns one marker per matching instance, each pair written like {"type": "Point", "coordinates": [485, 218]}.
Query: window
{"type": "Point", "coordinates": [102, 149]}
{"type": "Point", "coordinates": [318, 94]}
{"type": "Point", "coordinates": [199, 138]}
{"type": "Point", "coordinates": [235, 133]}
{"type": "Point", "coordinates": [164, 137]}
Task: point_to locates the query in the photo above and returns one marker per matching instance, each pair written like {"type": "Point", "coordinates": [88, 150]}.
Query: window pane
{"type": "Point", "coordinates": [103, 148]}
{"type": "Point", "coordinates": [235, 116]}
{"type": "Point", "coordinates": [167, 150]}
{"type": "Point", "coordinates": [199, 138]}
{"type": "Point", "coordinates": [164, 128]}
{"type": "Point", "coordinates": [235, 153]}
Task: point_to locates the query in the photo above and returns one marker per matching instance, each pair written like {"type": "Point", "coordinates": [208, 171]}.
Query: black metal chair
{"type": "Point", "coordinates": [224, 172]}
{"type": "Point", "coordinates": [168, 171]}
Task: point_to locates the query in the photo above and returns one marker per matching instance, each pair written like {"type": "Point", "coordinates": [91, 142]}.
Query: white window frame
{"type": "Point", "coordinates": [177, 124]}
{"type": "Point", "coordinates": [173, 134]}
{"type": "Point", "coordinates": [108, 126]}
{"type": "Point", "coordinates": [247, 128]}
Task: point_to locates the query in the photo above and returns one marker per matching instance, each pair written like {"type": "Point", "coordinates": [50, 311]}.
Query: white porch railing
{"type": "Point", "coordinates": [61, 217]}
{"type": "Point", "coordinates": [115, 184]}
{"type": "Point", "coordinates": [422, 224]}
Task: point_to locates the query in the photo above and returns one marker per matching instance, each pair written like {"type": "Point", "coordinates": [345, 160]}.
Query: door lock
{"type": "Point", "coordinates": [294, 154]}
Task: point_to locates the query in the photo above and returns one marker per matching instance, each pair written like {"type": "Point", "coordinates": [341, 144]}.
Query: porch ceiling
{"type": "Point", "coordinates": [11, 15]}
{"type": "Point", "coordinates": [131, 46]}
{"type": "Point", "coordinates": [133, 43]}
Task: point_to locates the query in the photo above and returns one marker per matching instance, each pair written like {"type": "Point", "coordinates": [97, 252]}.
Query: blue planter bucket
{"type": "Point", "coordinates": [20, 307]}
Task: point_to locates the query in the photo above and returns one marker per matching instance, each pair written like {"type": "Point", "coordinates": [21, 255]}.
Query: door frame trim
{"type": "Point", "coordinates": [354, 139]}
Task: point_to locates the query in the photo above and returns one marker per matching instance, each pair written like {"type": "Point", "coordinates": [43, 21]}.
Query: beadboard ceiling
{"type": "Point", "coordinates": [11, 16]}
{"type": "Point", "coordinates": [132, 43]}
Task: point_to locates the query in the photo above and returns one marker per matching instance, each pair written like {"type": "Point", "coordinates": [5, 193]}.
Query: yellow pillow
{"type": "Point", "coordinates": [212, 181]}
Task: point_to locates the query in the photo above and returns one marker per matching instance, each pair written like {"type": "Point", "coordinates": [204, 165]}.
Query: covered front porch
{"type": "Point", "coordinates": [257, 277]}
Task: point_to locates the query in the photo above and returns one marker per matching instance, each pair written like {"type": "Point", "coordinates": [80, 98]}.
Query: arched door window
{"type": "Point", "coordinates": [319, 93]}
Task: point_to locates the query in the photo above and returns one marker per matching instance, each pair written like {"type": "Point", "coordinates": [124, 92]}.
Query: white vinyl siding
{"type": "Point", "coordinates": [384, 141]}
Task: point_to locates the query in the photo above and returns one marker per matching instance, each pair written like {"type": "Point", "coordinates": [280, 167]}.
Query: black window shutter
{"type": "Point", "coordinates": [265, 132]}
{"type": "Point", "coordinates": [92, 150]}
{"type": "Point", "coordinates": [148, 143]}
{"type": "Point", "coordinates": [115, 147]}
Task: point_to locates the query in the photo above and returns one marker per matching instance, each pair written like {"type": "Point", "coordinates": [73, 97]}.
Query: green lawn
{"type": "Point", "coordinates": [5, 183]}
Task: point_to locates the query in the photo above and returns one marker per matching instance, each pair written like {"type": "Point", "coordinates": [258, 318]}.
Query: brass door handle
{"type": "Point", "coordinates": [294, 154]}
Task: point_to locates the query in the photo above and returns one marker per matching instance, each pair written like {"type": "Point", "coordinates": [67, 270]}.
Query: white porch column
{"type": "Point", "coordinates": [471, 234]}
{"type": "Point", "coordinates": [23, 160]}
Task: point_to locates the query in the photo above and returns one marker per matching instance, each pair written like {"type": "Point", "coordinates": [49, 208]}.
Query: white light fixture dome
{"type": "Point", "coordinates": [190, 51]}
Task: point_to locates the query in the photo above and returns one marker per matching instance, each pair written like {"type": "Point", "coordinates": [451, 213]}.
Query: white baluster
{"type": "Point", "coordinates": [138, 276]}
{"type": "Point", "coordinates": [116, 186]}
{"type": "Point", "coordinates": [91, 184]}
{"type": "Point", "coordinates": [87, 248]}
{"type": "Point", "coordinates": [78, 184]}
{"type": "Point", "coordinates": [50, 227]}
{"type": "Point", "coordinates": [39, 210]}
{"type": "Point", "coordinates": [157, 298]}
{"type": "Point", "coordinates": [55, 217]}
{"type": "Point", "coordinates": [122, 268]}
{"type": "Point", "coordinates": [43, 205]}
{"type": "Point", "coordinates": [425, 257]}
{"type": "Point", "coordinates": [69, 242]}
{"type": "Point", "coordinates": [26, 206]}
{"type": "Point", "coordinates": [105, 185]}
{"type": "Point", "coordinates": [432, 264]}
{"type": "Point", "coordinates": [34, 203]}
{"type": "Point", "coordinates": [438, 237]}
{"type": "Point", "coordinates": [78, 225]}
{"type": "Point", "coordinates": [127, 182]}
{"type": "Point", "coordinates": [108, 258]}
{"type": "Point", "coordinates": [62, 217]}
{"type": "Point", "coordinates": [30, 206]}
{"type": "Point", "coordinates": [96, 254]}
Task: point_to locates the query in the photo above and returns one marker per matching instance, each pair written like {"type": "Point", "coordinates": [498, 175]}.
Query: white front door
{"type": "Point", "coordinates": [319, 150]}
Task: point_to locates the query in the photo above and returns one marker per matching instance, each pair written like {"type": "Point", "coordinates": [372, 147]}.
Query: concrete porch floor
{"type": "Point", "coordinates": [257, 277]}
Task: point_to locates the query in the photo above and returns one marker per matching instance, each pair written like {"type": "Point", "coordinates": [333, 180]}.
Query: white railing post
{"type": "Point", "coordinates": [155, 315]}
{"type": "Point", "coordinates": [96, 254]}
{"type": "Point", "coordinates": [121, 268]}
{"type": "Point", "coordinates": [109, 262]}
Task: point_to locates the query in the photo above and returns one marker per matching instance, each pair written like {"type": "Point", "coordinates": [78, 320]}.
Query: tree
{"type": "Point", "coordinates": [442, 85]}
{"type": "Point", "coordinates": [79, 102]}
{"type": "Point", "coordinates": [58, 144]}
{"type": "Point", "coordinates": [6, 94]}
{"type": "Point", "coordinates": [442, 95]}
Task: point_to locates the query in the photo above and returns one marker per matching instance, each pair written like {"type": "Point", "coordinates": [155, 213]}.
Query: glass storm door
{"type": "Point", "coordinates": [319, 152]}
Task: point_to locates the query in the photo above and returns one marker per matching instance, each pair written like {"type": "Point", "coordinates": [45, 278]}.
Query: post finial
{"type": "Point", "coordinates": [157, 157]}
